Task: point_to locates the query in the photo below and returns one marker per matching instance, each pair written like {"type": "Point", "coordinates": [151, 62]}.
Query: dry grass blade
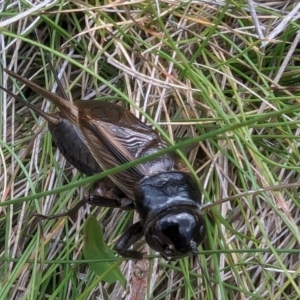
{"type": "Point", "coordinates": [192, 69]}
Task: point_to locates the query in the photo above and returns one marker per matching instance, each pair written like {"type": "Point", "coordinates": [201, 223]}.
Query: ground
{"type": "Point", "coordinates": [219, 79]}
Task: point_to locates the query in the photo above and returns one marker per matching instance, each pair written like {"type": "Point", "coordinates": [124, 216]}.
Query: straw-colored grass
{"type": "Point", "coordinates": [223, 74]}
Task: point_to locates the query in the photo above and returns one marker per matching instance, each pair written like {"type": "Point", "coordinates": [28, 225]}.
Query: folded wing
{"type": "Point", "coordinates": [115, 136]}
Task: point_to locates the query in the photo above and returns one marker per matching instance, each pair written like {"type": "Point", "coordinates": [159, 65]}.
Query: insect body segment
{"type": "Point", "coordinates": [120, 139]}
{"type": "Point", "coordinates": [169, 205]}
{"type": "Point", "coordinates": [70, 143]}
{"type": "Point", "coordinates": [107, 135]}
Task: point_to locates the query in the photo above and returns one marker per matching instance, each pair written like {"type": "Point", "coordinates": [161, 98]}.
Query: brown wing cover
{"type": "Point", "coordinates": [115, 136]}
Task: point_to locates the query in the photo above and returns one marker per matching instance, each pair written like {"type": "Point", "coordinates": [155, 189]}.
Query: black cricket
{"type": "Point", "coordinates": [95, 136]}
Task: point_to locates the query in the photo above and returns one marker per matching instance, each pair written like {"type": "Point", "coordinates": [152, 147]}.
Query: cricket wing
{"type": "Point", "coordinates": [115, 136]}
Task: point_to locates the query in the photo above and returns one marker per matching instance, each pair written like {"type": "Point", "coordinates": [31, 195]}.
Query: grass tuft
{"type": "Point", "coordinates": [220, 78]}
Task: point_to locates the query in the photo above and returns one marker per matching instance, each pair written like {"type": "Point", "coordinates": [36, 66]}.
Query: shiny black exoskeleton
{"type": "Point", "coordinates": [169, 207]}
{"type": "Point", "coordinates": [71, 144]}
{"type": "Point", "coordinates": [165, 196]}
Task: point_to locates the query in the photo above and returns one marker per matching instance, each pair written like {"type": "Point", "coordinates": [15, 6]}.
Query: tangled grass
{"type": "Point", "coordinates": [222, 73]}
